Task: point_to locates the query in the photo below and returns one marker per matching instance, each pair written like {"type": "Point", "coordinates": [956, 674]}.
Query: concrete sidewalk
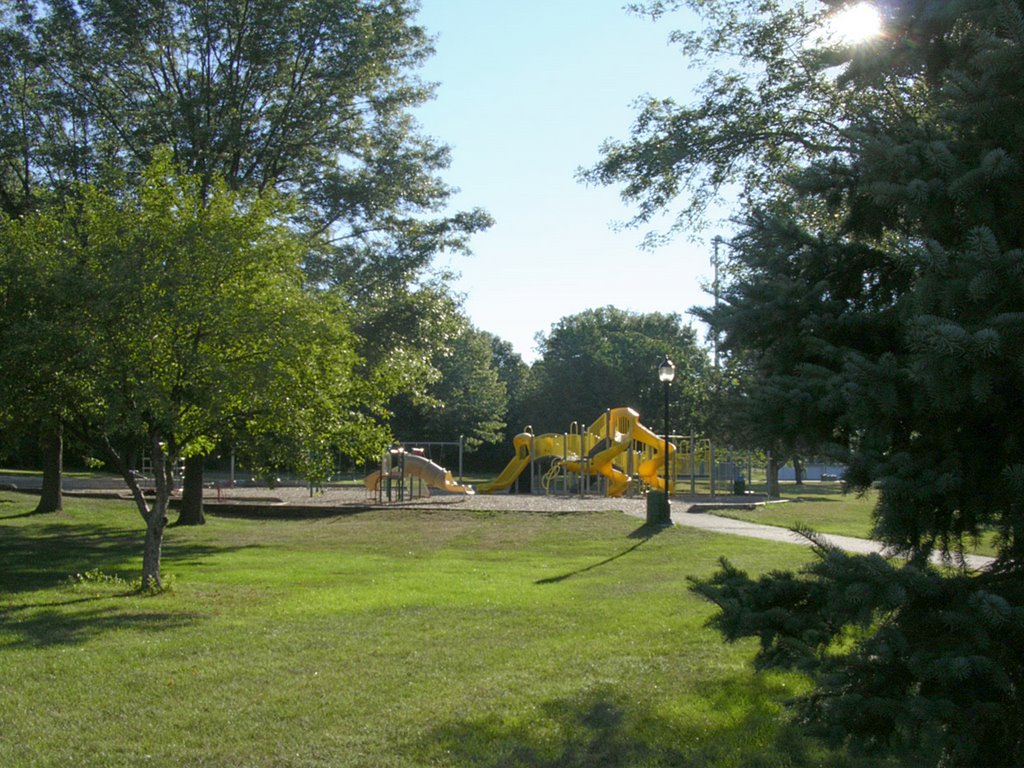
{"type": "Point", "coordinates": [35, 482]}
{"type": "Point", "coordinates": [710, 522]}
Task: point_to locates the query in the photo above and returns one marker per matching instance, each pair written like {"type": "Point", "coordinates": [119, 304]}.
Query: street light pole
{"type": "Point", "coordinates": [666, 373]}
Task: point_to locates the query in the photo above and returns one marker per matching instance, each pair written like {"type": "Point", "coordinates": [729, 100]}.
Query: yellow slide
{"type": "Point", "coordinates": [612, 434]}
{"type": "Point", "coordinates": [603, 463]}
{"type": "Point", "coordinates": [434, 475]}
{"type": "Point", "coordinates": [648, 470]}
{"type": "Point", "coordinates": [604, 443]}
{"type": "Point", "coordinates": [542, 445]}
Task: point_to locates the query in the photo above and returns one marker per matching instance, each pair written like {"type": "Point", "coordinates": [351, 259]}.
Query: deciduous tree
{"type": "Point", "coordinates": [35, 164]}
{"type": "Point", "coordinates": [189, 310]}
{"type": "Point", "coordinates": [467, 400]}
{"type": "Point", "coordinates": [310, 99]}
{"type": "Point", "coordinates": [606, 358]}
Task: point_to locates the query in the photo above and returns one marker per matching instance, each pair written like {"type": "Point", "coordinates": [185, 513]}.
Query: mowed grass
{"type": "Point", "coordinates": [821, 506]}
{"type": "Point", "coordinates": [382, 638]}
{"type": "Point", "coordinates": [827, 508]}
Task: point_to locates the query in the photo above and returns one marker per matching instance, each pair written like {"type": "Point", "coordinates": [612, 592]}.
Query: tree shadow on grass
{"type": "Point", "coordinates": [608, 727]}
{"type": "Point", "coordinates": [70, 623]}
{"type": "Point", "coordinates": [44, 556]}
{"type": "Point", "coordinates": [644, 533]}
{"type": "Point", "coordinates": [17, 516]}
{"type": "Point", "coordinates": [286, 512]}
{"type": "Point", "coordinates": [20, 505]}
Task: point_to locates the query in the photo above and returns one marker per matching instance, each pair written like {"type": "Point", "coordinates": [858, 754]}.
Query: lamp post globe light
{"type": "Point", "coordinates": [666, 371]}
{"type": "Point", "coordinates": [658, 504]}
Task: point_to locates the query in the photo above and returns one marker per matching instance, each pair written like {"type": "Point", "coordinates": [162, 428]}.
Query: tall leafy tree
{"type": "Point", "coordinates": [37, 161]}
{"type": "Point", "coordinates": [40, 382]}
{"type": "Point", "coordinates": [607, 357]}
{"type": "Point", "coordinates": [467, 400]}
{"type": "Point", "coordinates": [750, 125]}
{"type": "Point", "coordinates": [311, 99]}
{"type": "Point", "coordinates": [189, 310]}
{"type": "Point", "coordinates": [881, 272]}
{"type": "Point", "coordinates": [514, 373]}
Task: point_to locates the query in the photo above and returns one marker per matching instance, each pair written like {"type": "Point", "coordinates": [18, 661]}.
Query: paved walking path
{"type": "Point", "coordinates": [712, 522]}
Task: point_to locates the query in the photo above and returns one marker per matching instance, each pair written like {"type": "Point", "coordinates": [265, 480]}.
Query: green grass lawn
{"type": "Point", "coordinates": [382, 638]}
{"type": "Point", "coordinates": [821, 506]}
{"type": "Point", "coordinates": [824, 507]}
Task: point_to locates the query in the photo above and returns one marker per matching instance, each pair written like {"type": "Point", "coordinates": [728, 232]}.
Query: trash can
{"type": "Point", "coordinates": [739, 486]}
{"type": "Point", "coordinates": [658, 508]}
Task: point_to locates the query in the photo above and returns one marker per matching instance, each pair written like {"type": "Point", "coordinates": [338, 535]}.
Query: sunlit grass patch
{"type": "Point", "coordinates": [384, 638]}
{"type": "Point", "coordinates": [826, 508]}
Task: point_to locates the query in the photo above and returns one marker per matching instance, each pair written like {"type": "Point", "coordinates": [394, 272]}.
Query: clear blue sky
{"type": "Point", "coordinates": [527, 92]}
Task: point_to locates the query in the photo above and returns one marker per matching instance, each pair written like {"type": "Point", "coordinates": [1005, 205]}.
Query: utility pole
{"type": "Point", "coordinates": [716, 241]}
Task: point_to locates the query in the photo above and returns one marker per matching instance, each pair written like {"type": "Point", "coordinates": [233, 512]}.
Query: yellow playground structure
{"type": "Point", "coordinates": [616, 447]}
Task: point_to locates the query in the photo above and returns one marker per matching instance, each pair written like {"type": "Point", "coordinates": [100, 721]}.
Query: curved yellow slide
{"type": "Point", "coordinates": [603, 463]}
{"type": "Point", "coordinates": [648, 470]}
{"type": "Point", "coordinates": [615, 428]}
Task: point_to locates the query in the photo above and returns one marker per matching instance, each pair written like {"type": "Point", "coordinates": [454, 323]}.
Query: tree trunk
{"type": "Point", "coordinates": [51, 440]}
{"type": "Point", "coordinates": [773, 477]}
{"type": "Point", "coordinates": [156, 522]}
{"type": "Point", "coordinates": [155, 514]}
{"type": "Point", "coordinates": [192, 493]}
{"type": "Point", "coordinates": [154, 545]}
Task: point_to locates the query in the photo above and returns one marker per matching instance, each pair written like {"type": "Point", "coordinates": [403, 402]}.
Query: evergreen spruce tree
{"type": "Point", "coordinates": [879, 282]}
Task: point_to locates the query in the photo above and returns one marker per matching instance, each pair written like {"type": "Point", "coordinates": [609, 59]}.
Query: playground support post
{"type": "Point", "coordinates": [565, 458]}
{"type": "Point", "coordinates": [533, 462]}
{"type": "Point", "coordinates": [401, 476]}
{"type": "Point", "coordinates": [583, 457]}
{"type": "Point", "coordinates": [693, 469]}
{"type": "Point", "coordinates": [711, 468]}
{"type": "Point", "coordinates": [608, 435]}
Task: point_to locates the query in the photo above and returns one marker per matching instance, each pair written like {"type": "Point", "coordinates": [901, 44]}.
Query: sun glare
{"type": "Point", "coordinates": [856, 23]}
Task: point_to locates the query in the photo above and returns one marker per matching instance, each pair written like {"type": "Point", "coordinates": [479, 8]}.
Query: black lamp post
{"type": "Point", "coordinates": [666, 373]}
